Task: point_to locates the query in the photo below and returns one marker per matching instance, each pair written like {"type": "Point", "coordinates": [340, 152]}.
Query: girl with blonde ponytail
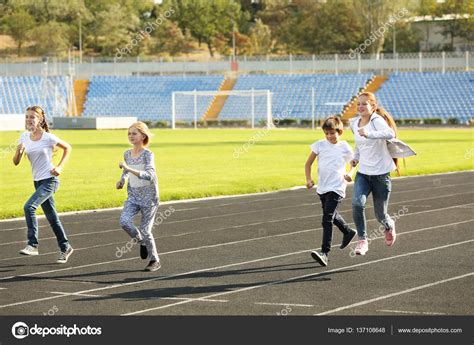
{"type": "Point", "coordinates": [38, 144]}
{"type": "Point", "coordinates": [372, 128]}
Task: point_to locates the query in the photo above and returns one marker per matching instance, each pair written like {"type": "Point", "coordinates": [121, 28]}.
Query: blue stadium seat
{"type": "Point", "coordinates": [148, 98]}
{"type": "Point", "coordinates": [429, 95]}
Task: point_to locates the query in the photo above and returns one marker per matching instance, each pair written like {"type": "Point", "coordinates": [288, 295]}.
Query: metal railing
{"type": "Point", "coordinates": [334, 64]}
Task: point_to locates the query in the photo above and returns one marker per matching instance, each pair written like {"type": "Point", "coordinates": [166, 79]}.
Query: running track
{"type": "Point", "coordinates": [249, 255]}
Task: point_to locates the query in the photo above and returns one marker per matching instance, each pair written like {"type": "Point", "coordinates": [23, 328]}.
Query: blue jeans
{"type": "Point", "coordinates": [44, 196]}
{"type": "Point", "coordinates": [380, 187]}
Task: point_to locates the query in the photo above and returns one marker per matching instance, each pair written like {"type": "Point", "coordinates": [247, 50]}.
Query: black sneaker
{"type": "Point", "coordinates": [347, 238]}
{"type": "Point", "coordinates": [143, 251]}
{"type": "Point", "coordinates": [320, 257]}
{"type": "Point", "coordinates": [153, 266]}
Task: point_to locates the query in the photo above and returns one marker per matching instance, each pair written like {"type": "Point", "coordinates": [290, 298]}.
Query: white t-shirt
{"type": "Point", "coordinates": [332, 159]}
{"type": "Point", "coordinates": [40, 154]}
{"type": "Point", "coordinates": [372, 152]}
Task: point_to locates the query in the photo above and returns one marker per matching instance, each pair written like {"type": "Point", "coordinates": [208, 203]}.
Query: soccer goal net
{"type": "Point", "coordinates": [248, 107]}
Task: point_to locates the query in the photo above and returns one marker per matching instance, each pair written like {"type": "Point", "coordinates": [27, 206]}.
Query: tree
{"type": "Point", "coordinates": [18, 25]}
{"type": "Point", "coordinates": [207, 20]}
{"type": "Point", "coordinates": [454, 27]}
{"type": "Point", "coordinates": [427, 9]}
{"type": "Point", "coordinates": [260, 40]}
{"type": "Point", "coordinates": [50, 38]}
{"type": "Point", "coordinates": [168, 38]}
{"type": "Point", "coordinates": [329, 28]}
{"type": "Point", "coordinates": [114, 30]}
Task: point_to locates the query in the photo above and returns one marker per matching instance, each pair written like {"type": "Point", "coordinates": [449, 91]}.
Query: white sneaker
{"type": "Point", "coordinates": [63, 256]}
{"type": "Point", "coordinates": [362, 247]}
{"type": "Point", "coordinates": [29, 250]}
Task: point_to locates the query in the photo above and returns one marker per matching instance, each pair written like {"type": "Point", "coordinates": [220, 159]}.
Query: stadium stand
{"type": "Point", "coordinates": [148, 98]}
{"type": "Point", "coordinates": [429, 95]}
{"type": "Point", "coordinates": [292, 95]}
{"type": "Point", "coordinates": [18, 93]}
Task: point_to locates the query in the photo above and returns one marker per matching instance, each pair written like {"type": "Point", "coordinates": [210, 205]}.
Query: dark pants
{"type": "Point", "coordinates": [44, 196]}
{"type": "Point", "coordinates": [330, 202]}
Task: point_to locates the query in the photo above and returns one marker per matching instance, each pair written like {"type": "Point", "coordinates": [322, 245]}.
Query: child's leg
{"type": "Point", "coordinates": [44, 190]}
{"type": "Point", "coordinates": [382, 187]}
{"type": "Point", "coordinates": [129, 211]}
{"type": "Point", "coordinates": [330, 202]}
{"type": "Point", "coordinates": [49, 209]}
{"type": "Point", "coordinates": [146, 230]}
{"type": "Point", "coordinates": [362, 189]}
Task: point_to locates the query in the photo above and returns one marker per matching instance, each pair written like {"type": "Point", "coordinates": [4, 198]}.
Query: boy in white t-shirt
{"type": "Point", "coordinates": [333, 155]}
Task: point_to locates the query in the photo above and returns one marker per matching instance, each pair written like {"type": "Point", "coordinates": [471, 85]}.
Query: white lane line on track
{"type": "Point", "coordinates": [286, 304]}
{"type": "Point", "coordinates": [417, 288]}
{"type": "Point", "coordinates": [305, 276]}
{"type": "Point", "coordinates": [194, 299]}
{"type": "Point", "coordinates": [243, 202]}
{"type": "Point", "coordinates": [72, 294]}
{"type": "Point", "coordinates": [410, 312]}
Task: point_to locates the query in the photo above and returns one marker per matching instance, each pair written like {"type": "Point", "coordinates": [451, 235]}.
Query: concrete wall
{"type": "Point", "coordinates": [12, 122]}
{"type": "Point", "coordinates": [93, 122]}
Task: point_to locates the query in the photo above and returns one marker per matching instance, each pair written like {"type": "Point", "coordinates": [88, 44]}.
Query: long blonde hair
{"type": "Point", "coordinates": [385, 115]}
{"type": "Point", "coordinates": [143, 129]}
{"type": "Point", "coordinates": [41, 115]}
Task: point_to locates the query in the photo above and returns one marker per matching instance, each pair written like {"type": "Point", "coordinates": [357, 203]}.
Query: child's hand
{"type": "Point", "coordinates": [347, 178]}
{"type": "Point", "coordinates": [309, 184]}
{"type": "Point", "coordinates": [354, 162]}
{"type": "Point", "coordinates": [119, 184]}
{"type": "Point", "coordinates": [362, 132]}
{"type": "Point", "coordinates": [123, 165]}
{"type": "Point", "coordinates": [56, 171]}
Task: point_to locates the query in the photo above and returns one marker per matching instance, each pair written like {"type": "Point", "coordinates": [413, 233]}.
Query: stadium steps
{"type": "Point", "coordinates": [372, 86]}
{"type": "Point", "coordinates": [80, 92]}
{"type": "Point", "coordinates": [218, 102]}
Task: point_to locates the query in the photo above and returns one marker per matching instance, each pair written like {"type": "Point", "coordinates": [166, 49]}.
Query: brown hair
{"type": "Point", "coordinates": [385, 115]}
{"type": "Point", "coordinates": [333, 123]}
{"type": "Point", "coordinates": [40, 113]}
{"type": "Point", "coordinates": [143, 129]}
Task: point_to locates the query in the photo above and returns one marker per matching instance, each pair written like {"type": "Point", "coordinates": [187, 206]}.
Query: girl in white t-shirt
{"type": "Point", "coordinates": [333, 155]}
{"type": "Point", "coordinates": [372, 128]}
{"type": "Point", "coordinates": [38, 144]}
{"type": "Point", "coordinates": [143, 194]}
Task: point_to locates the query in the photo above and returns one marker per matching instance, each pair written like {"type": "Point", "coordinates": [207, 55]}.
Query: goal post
{"type": "Point", "coordinates": [246, 105]}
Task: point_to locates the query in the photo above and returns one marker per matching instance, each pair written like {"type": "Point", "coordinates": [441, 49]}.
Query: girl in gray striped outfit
{"type": "Point", "coordinates": [143, 194]}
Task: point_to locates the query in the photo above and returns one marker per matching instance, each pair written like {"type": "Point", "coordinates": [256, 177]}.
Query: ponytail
{"type": "Point", "coordinates": [391, 123]}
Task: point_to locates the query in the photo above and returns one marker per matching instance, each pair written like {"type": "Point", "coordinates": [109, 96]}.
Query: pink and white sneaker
{"type": "Point", "coordinates": [362, 247]}
{"type": "Point", "coordinates": [390, 236]}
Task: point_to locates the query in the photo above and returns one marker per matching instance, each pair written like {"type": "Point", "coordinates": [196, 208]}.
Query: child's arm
{"type": "Point", "coordinates": [350, 158]}
{"type": "Point", "coordinates": [147, 174]}
{"type": "Point", "coordinates": [307, 170]}
{"type": "Point", "coordinates": [56, 171]}
{"type": "Point", "coordinates": [124, 176]}
{"type": "Point", "coordinates": [18, 153]}
{"type": "Point", "coordinates": [348, 176]}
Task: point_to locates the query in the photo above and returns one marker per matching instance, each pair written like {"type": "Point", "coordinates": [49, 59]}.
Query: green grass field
{"type": "Point", "coordinates": [193, 164]}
